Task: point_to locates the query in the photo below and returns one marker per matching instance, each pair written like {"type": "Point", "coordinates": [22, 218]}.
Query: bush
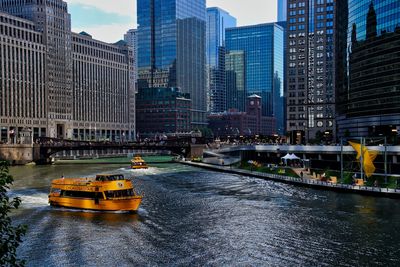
{"type": "Point", "coordinates": [10, 236]}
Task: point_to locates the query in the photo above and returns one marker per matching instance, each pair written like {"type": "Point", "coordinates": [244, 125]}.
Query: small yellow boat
{"type": "Point", "coordinates": [138, 163]}
{"type": "Point", "coordinates": [105, 192]}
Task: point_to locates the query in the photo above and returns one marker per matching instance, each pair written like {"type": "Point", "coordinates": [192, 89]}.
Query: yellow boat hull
{"type": "Point", "coordinates": [139, 167]}
{"type": "Point", "coordinates": [131, 204]}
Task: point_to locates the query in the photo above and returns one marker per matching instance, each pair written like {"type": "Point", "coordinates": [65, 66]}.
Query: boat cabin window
{"type": "Point", "coordinates": [114, 177]}
{"type": "Point", "coordinates": [119, 193]}
{"type": "Point", "coordinates": [56, 190]}
{"type": "Point", "coordinates": [81, 194]}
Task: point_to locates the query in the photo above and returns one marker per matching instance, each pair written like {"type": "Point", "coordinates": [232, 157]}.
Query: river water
{"type": "Point", "coordinates": [197, 217]}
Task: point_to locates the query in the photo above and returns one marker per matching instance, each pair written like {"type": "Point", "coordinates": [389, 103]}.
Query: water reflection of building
{"type": "Point", "coordinates": [371, 104]}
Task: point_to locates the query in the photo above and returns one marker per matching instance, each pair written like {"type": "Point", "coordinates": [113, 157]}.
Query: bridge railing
{"type": "Point", "coordinates": [56, 142]}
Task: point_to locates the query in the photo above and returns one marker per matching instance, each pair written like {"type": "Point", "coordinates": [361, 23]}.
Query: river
{"type": "Point", "coordinates": [191, 216]}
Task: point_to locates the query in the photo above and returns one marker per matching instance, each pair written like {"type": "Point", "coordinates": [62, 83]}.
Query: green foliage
{"type": "Point", "coordinates": [271, 170]}
{"type": "Point", "coordinates": [10, 236]}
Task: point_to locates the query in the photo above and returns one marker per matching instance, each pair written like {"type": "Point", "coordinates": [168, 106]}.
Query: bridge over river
{"type": "Point", "coordinates": [43, 148]}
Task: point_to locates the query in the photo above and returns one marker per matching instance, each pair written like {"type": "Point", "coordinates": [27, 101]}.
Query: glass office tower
{"type": "Point", "coordinates": [171, 49]}
{"type": "Point", "coordinates": [370, 104]}
{"type": "Point", "coordinates": [217, 21]}
{"type": "Point", "coordinates": [263, 46]}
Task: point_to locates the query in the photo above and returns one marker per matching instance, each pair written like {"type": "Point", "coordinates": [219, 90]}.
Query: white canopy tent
{"type": "Point", "coordinates": [289, 157]}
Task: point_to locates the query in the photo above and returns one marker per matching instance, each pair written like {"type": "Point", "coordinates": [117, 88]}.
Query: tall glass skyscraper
{"type": "Point", "coordinates": [217, 21]}
{"type": "Point", "coordinates": [369, 101]}
{"type": "Point", "coordinates": [263, 47]}
{"type": "Point", "coordinates": [171, 49]}
{"type": "Point", "coordinates": [282, 10]}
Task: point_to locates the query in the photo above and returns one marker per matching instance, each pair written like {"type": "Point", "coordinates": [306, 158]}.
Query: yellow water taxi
{"type": "Point", "coordinates": [138, 163]}
{"type": "Point", "coordinates": [105, 192]}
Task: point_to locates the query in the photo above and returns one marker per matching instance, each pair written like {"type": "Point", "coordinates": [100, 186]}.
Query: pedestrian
{"type": "Point", "coordinates": [301, 175]}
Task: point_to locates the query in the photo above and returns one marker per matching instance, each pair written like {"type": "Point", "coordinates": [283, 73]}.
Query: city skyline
{"type": "Point", "coordinates": [108, 22]}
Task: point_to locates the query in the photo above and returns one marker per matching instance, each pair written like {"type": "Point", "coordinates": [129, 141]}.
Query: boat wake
{"type": "Point", "coordinates": [31, 198]}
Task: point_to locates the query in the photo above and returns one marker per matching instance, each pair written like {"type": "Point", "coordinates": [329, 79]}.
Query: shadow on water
{"type": "Point", "coordinates": [96, 217]}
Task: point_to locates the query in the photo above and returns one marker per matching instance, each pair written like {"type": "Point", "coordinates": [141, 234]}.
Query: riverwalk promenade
{"type": "Point", "coordinates": [306, 182]}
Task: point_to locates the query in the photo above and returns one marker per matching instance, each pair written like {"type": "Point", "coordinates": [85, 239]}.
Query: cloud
{"type": "Point", "coordinates": [252, 12]}
{"type": "Point", "coordinates": [83, 15]}
{"type": "Point", "coordinates": [120, 7]}
{"type": "Point", "coordinates": [105, 20]}
{"type": "Point", "coordinates": [109, 29]}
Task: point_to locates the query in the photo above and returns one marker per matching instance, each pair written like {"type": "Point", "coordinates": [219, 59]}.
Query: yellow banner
{"type": "Point", "coordinates": [368, 158]}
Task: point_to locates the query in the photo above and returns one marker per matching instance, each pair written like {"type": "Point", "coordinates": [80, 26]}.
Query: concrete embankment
{"type": "Point", "coordinates": [345, 188]}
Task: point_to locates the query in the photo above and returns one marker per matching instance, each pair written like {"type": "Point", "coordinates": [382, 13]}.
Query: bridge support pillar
{"type": "Point", "coordinates": [17, 154]}
{"type": "Point", "coordinates": [196, 151]}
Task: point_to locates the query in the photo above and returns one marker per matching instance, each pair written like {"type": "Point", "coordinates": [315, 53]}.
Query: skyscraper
{"type": "Point", "coordinates": [263, 46]}
{"type": "Point", "coordinates": [282, 10]}
{"type": "Point", "coordinates": [235, 71]}
{"type": "Point", "coordinates": [23, 97]}
{"type": "Point", "coordinates": [217, 21]}
{"type": "Point", "coordinates": [53, 20]}
{"type": "Point", "coordinates": [56, 83]}
{"type": "Point", "coordinates": [310, 69]}
{"type": "Point", "coordinates": [171, 49]}
{"type": "Point", "coordinates": [131, 39]}
{"type": "Point", "coordinates": [369, 103]}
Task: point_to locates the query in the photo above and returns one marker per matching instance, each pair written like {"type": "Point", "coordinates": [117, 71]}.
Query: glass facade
{"type": "Point", "coordinates": [235, 69]}
{"type": "Point", "coordinates": [370, 103]}
{"type": "Point", "coordinates": [263, 46]}
{"type": "Point", "coordinates": [282, 10]}
{"type": "Point", "coordinates": [217, 21]}
{"type": "Point", "coordinates": [171, 49]}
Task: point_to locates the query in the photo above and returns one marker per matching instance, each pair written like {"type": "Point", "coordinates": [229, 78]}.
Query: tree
{"type": "Point", "coordinates": [10, 236]}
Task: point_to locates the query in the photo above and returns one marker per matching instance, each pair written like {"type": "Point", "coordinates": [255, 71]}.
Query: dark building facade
{"type": "Point", "coordinates": [171, 49]}
{"type": "Point", "coordinates": [234, 123]}
{"type": "Point", "coordinates": [162, 111]}
{"type": "Point", "coordinates": [310, 69]}
{"type": "Point", "coordinates": [369, 103]}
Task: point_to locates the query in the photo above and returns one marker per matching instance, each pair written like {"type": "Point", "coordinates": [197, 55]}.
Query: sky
{"type": "Point", "coordinates": [108, 20]}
